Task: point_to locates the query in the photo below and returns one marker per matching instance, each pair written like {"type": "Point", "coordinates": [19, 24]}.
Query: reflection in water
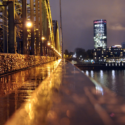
{"type": "Point", "coordinates": [87, 72]}
{"type": "Point", "coordinates": [92, 74]}
{"type": "Point", "coordinates": [113, 74]}
{"type": "Point", "coordinates": [112, 79]}
{"type": "Point", "coordinates": [101, 74]}
{"type": "Point", "coordinates": [17, 88]}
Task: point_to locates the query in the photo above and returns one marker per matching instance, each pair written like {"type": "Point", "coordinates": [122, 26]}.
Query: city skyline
{"type": "Point", "coordinates": [77, 19]}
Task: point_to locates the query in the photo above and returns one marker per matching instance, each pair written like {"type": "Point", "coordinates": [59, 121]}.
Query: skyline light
{"type": "Point", "coordinates": [78, 16]}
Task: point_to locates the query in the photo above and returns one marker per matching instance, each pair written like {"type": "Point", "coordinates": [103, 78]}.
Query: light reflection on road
{"type": "Point", "coordinates": [17, 88]}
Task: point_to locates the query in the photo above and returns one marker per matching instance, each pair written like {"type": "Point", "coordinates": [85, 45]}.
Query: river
{"type": "Point", "coordinates": [112, 79]}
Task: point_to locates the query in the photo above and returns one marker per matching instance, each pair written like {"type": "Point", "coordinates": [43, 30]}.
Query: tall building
{"type": "Point", "coordinates": [123, 45]}
{"type": "Point", "coordinates": [100, 34]}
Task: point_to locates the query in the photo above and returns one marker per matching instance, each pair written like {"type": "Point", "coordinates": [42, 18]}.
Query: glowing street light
{"type": "Point", "coordinates": [28, 24]}
{"type": "Point", "coordinates": [48, 43]}
{"type": "Point", "coordinates": [43, 38]}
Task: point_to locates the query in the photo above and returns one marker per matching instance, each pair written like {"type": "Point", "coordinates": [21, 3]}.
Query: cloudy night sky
{"type": "Point", "coordinates": [78, 16]}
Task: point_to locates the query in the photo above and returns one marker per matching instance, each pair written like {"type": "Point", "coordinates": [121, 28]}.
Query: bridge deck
{"type": "Point", "coordinates": [69, 97]}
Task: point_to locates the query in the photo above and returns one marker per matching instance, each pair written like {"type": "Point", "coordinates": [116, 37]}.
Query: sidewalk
{"type": "Point", "coordinates": [68, 97]}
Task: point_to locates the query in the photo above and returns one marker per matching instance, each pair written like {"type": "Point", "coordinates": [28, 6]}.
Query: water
{"type": "Point", "coordinates": [112, 79]}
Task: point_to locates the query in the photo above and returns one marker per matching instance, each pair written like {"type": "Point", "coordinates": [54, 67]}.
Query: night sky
{"type": "Point", "coordinates": [78, 16]}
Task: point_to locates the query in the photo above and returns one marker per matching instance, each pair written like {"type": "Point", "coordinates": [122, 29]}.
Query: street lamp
{"type": "Point", "coordinates": [61, 34]}
{"type": "Point", "coordinates": [44, 44]}
{"type": "Point", "coordinates": [29, 24]}
{"type": "Point", "coordinates": [48, 43]}
{"type": "Point", "coordinates": [43, 38]}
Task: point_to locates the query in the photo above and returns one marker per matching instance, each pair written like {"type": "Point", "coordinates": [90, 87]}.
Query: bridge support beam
{"type": "Point", "coordinates": [41, 46]}
{"type": "Point", "coordinates": [12, 29]}
{"type": "Point", "coordinates": [32, 28]}
{"type": "Point", "coordinates": [24, 27]}
{"type": "Point", "coordinates": [5, 29]}
{"type": "Point", "coordinates": [37, 29]}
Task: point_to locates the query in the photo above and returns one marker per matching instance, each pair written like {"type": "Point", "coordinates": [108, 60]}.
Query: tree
{"type": "Point", "coordinates": [80, 52]}
{"type": "Point", "coordinates": [66, 52]}
{"type": "Point", "coordinates": [89, 54]}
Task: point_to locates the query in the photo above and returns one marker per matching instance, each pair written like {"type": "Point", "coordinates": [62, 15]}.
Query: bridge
{"type": "Point", "coordinates": [37, 86]}
{"type": "Point", "coordinates": [28, 34]}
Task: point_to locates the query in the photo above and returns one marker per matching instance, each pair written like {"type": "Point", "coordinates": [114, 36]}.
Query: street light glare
{"type": "Point", "coordinates": [29, 24]}
{"type": "Point", "coordinates": [48, 44]}
{"type": "Point", "coordinates": [43, 38]}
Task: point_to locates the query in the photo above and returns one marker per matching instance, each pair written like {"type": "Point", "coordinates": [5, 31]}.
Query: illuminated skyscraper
{"type": "Point", "coordinates": [100, 34]}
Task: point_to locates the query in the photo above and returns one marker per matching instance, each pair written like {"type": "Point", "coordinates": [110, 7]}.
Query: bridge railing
{"type": "Point", "coordinates": [13, 62]}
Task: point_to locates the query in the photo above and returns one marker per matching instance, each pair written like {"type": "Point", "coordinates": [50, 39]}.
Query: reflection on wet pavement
{"type": "Point", "coordinates": [68, 97]}
{"type": "Point", "coordinates": [17, 88]}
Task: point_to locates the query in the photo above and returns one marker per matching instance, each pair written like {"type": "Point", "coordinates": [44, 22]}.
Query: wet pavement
{"type": "Point", "coordinates": [17, 88]}
{"type": "Point", "coordinates": [69, 97]}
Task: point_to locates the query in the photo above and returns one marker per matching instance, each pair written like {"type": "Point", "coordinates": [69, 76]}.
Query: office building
{"type": "Point", "coordinates": [100, 34]}
{"type": "Point", "coordinates": [113, 53]}
{"type": "Point", "coordinates": [123, 45]}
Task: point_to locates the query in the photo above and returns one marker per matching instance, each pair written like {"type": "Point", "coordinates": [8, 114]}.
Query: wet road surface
{"type": "Point", "coordinates": [69, 97]}
{"type": "Point", "coordinates": [16, 88]}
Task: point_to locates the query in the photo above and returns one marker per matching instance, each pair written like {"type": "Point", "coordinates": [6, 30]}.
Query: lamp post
{"type": "Point", "coordinates": [61, 34]}
{"type": "Point", "coordinates": [48, 44]}
{"type": "Point", "coordinates": [43, 38]}
{"type": "Point", "coordinates": [28, 26]}
{"type": "Point", "coordinates": [44, 45]}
